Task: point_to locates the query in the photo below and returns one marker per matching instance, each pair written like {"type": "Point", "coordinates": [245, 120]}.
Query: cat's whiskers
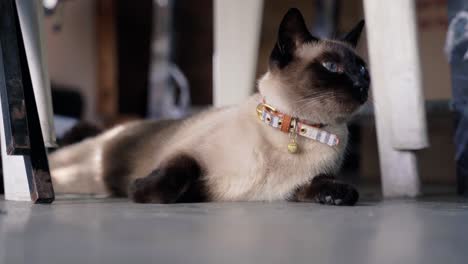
{"type": "Point", "coordinates": [311, 101]}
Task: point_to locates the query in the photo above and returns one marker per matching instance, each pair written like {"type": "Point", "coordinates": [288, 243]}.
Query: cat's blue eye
{"type": "Point", "coordinates": [330, 66]}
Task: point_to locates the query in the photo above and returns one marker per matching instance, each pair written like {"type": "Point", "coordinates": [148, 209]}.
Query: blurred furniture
{"type": "Point", "coordinates": [457, 52]}
{"type": "Point", "coordinates": [27, 125]}
{"type": "Point", "coordinates": [193, 31]}
{"type": "Point", "coordinates": [67, 101]}
{"type": "Point", "coordinates": [107, 60]}
{"type": "Point", "coordinates": [168, 88]}
{"type": "Point", "coordinates": [397, 91]}
{"type": "Point", "coordinates": [133, 40]}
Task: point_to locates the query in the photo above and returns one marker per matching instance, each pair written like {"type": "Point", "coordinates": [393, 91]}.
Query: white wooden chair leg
{"type": "Point", "coordinates": [237, 33]}
{"type": "Point", "coordinates": [399, 172]}
{"type": "Point", "coordinates": [397, 92]}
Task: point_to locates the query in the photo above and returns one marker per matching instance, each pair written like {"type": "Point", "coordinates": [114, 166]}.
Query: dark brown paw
{"type": "Point", "coordinates": [336, 193]}
{"type": "Point", "coordinates": [143, 191]}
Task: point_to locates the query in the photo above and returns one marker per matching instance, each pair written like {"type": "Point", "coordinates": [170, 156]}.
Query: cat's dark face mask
{"type": "Point", "coordinates": [339, 68]}
{"type": "Point", "coordinates": [328, 72]}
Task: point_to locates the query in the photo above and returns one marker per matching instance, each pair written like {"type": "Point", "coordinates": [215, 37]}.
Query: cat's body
{"type": "Point", "coordinates": [242, 158]}
{"type": "Point", "coordinates": [228, 154]}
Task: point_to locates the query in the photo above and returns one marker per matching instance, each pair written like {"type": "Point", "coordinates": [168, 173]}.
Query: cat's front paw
{"type": "Point", "coordinates": [337, 193]}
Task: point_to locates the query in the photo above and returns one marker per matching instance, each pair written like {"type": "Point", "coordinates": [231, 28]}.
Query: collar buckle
{"type": "Point", "coordinates": [263, 106]}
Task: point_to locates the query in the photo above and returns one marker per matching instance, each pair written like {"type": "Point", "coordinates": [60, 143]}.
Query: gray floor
{"type": "Point", "coordinates": [115, 231]}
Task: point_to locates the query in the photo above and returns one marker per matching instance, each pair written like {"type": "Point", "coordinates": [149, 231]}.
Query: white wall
{"type": "Point", "coordinates": [72, 51]}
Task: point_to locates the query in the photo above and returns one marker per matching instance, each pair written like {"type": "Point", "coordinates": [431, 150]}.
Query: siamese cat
{"type": "Point", "coordinates": [284, 143]}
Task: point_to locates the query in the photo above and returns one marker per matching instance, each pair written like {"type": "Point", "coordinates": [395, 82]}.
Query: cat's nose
{"type": "Point", "coordinates": [361, 89]}
{"type": "Point", "coordinates": [361, 84]}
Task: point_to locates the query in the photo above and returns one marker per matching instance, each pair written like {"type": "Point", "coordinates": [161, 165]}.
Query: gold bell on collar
{"type": "Point", "coordinates": [293, 148]}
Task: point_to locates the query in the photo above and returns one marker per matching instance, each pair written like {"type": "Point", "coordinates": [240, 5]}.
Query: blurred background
{"type": "Point", "coordinates": [112, 61]}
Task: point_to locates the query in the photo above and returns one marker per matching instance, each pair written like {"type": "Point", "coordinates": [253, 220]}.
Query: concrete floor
{"type": "Point", "coordinates": [115, 231]}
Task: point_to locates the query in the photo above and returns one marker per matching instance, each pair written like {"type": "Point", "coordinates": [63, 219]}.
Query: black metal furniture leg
{"type": "Point", "coordinates": [20, 115]}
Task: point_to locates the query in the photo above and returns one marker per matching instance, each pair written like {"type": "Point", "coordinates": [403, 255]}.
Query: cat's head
{"type": "Point", "coordinates": [316, 79]}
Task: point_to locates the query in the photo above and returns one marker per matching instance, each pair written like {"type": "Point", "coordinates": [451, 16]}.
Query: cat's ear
{"type": "Point", "coordinates": [291, 34]}
{"type": "Point", "coordinates": [352, 37]}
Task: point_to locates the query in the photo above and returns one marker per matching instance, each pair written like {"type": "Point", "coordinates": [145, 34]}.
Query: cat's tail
{"type": "Point", "coordinates": [78, 133]}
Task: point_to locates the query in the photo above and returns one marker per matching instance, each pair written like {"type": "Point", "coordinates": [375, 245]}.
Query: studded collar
{"type": "Point", "coordinates": [294, 126]}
